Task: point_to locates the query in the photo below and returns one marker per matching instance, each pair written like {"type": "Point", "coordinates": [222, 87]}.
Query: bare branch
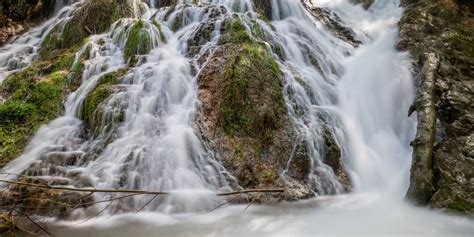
{"type": "Point", "coordinates": [93, 190]}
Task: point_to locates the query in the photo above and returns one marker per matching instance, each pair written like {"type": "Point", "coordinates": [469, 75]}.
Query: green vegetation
{"type": "Point", "coordinates": [139, 42]}
{"type": "Point", "coordinates": [102, 91]}
{"type": "Point", "coordinates": [158, 26]}
{"type": "Point", "coordinates": [33, 100]}
{"type": "Point", "coordinates": [93, 18]}
{"type": "Point", "coordinates": [253, 100]}
{"type": "Point", "coordinates": [460, 205]}
{"type": "Point", "coordinates": [34, 95]}
{"type": "Point", "coordinates": [235, 32]}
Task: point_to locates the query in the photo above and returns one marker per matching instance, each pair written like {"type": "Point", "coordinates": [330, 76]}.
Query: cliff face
{"type": "Point", "coordinates": [440, 38]}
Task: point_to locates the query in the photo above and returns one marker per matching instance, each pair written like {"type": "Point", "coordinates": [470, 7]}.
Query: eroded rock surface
{"type": "Point", "coordinates": [443, 169]}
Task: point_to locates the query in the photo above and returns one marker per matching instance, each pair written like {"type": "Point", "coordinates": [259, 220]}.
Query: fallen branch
{"type": "Point", "coordinates": [93, 190]}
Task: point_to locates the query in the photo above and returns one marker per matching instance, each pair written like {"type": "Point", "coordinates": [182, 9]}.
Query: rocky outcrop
{"type": "Point", "coordinates": [16, 16]}
{"type": "Point", "coordinates": [93, 17]}
{"type": "Point", "coordinates": [244, 115]}
{"type": "Point", "coordinates": [332, 22]}
{"type": "Point", "coordinates": [440, 38]}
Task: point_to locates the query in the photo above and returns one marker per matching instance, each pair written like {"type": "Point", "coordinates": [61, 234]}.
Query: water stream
{"type": "Point", "coordinates": [360, 93]}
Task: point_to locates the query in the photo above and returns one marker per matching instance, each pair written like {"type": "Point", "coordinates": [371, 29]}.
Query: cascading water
{"type": "Point", "coordinates": [154, 147]}
{"type": "Point", "coordinates": [359, 94]}
{"type": "Point", "coordinates": [22, 50]}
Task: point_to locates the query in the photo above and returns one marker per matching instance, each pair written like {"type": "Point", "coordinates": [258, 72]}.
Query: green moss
{"type": "Point", "coordinates": [139, 42]}
{"type": "Point", "coordinates": [33, 99]}
{"type": "Point", "coordinates": [460, 205]}
{"type": "Point", "coordinates": [98, 15]}
{"type": "Point", "coordinates": [177, 22]}
{"type": "Point", "coordinates": [461, 45]}
{"type": "Point", "coordinates": [158, 26]}
{"type": "Point", "coordinates": [97, 96]}
{"type": "Point", "coordinates": [93, 18]}
{"type": "Point", "coordinates": [72, 34]}
{"type": "Point", "coordinates": [235, 32]}
{"type": "Point", "coordinates": [60, 39]}
{"type": "Point", "coordinates": [253, 100]}
{"type": "Point", "coordinates": [15, 112]}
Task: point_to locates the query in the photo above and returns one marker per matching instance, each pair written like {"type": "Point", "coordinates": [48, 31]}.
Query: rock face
{"type": "Point", "coordinates": [332, 23]}
{"type": "Point", "coordinates": [17, 15]}
{"type": "Point", "coordinates": [440, 37]}
{"type": "Point", "coordinates": [244, 115]}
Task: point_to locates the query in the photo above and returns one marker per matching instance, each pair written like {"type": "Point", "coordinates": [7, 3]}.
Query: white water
{"type": "Point", "coordinates": [20, 51]}
{"type": "Point", "coordinates": [362, 95]}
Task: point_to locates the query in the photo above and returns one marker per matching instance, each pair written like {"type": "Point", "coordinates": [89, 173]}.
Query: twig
{"type": "Point", "coordinates": [93, 190]}
{"type": "Point", "coordinates": [32, 221]}
{"type": "Point", "coordinates": [275, 190]}
{"type": "Point", "coordinates": [147, 203]}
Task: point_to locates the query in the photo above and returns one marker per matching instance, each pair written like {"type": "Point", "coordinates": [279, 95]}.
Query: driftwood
{"type": "Point", "coordinates": [93, 190]}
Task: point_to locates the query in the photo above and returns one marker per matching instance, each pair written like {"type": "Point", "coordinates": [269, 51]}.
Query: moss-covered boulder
{"type": "Point", "coordinates": [234, 31]}
{"type": "Point", "coordinates": [92, 18]}
{"type": "Point", "coordinates": [91, 112]}
{"type": "Point", "coordinates": [243, 112]}
{"type": "Point", "coordinates": [32, 99]}
{"type": "Point", "coordinates": [253, 100]}
{"type": "Point", "coordinates": [142, 37]}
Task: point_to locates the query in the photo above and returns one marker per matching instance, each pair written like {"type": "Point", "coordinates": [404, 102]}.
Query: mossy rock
{"type": "Point", "coordinates": [139, 42]}
{"type": "Point", "coordinates": [90, 112]}
{"type": "Point", "coordinates": [93, 17]}
{"type": "Point", "coordinates": [33, 99]}
{"type": "Point", "coordinates": [253, 99]}
{"type": "Point", "coordinates": [244, 114]}
{"type": "Point", "coordinates": [142, 38]}
{"type": "Point", "coordinates": [234, 32]}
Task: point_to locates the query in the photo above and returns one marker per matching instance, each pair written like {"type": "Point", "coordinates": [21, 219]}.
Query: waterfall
{"type": "Point", "coordinates": [343, 81]}
{"type": "Point", "coordinates": [332, 88]}
{"type": "Point", "coordinates": [23, 49]}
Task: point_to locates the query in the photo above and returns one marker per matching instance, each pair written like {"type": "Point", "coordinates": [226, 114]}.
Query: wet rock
{"type": "Point", "coordinates": [264, 8]}
{"type": "Point", "coordinates": [165, 3]}
{"type": "Point", "coordinates": [442, 173]}
{"type": "Point", "coordinates": [92, 112]}
{"type": "Point", "coordinates": [93, 17]}
{"type": "Point", "coordinates": [333, 158]}
{"type": "Point", "coordinates": [17, 16]}
{"type": "Point", "coordinates": [332, 23]}
{"type": "Point", "coordinates": [243, 114]}
{"type": "Point", "coordinates": [141, 40]}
